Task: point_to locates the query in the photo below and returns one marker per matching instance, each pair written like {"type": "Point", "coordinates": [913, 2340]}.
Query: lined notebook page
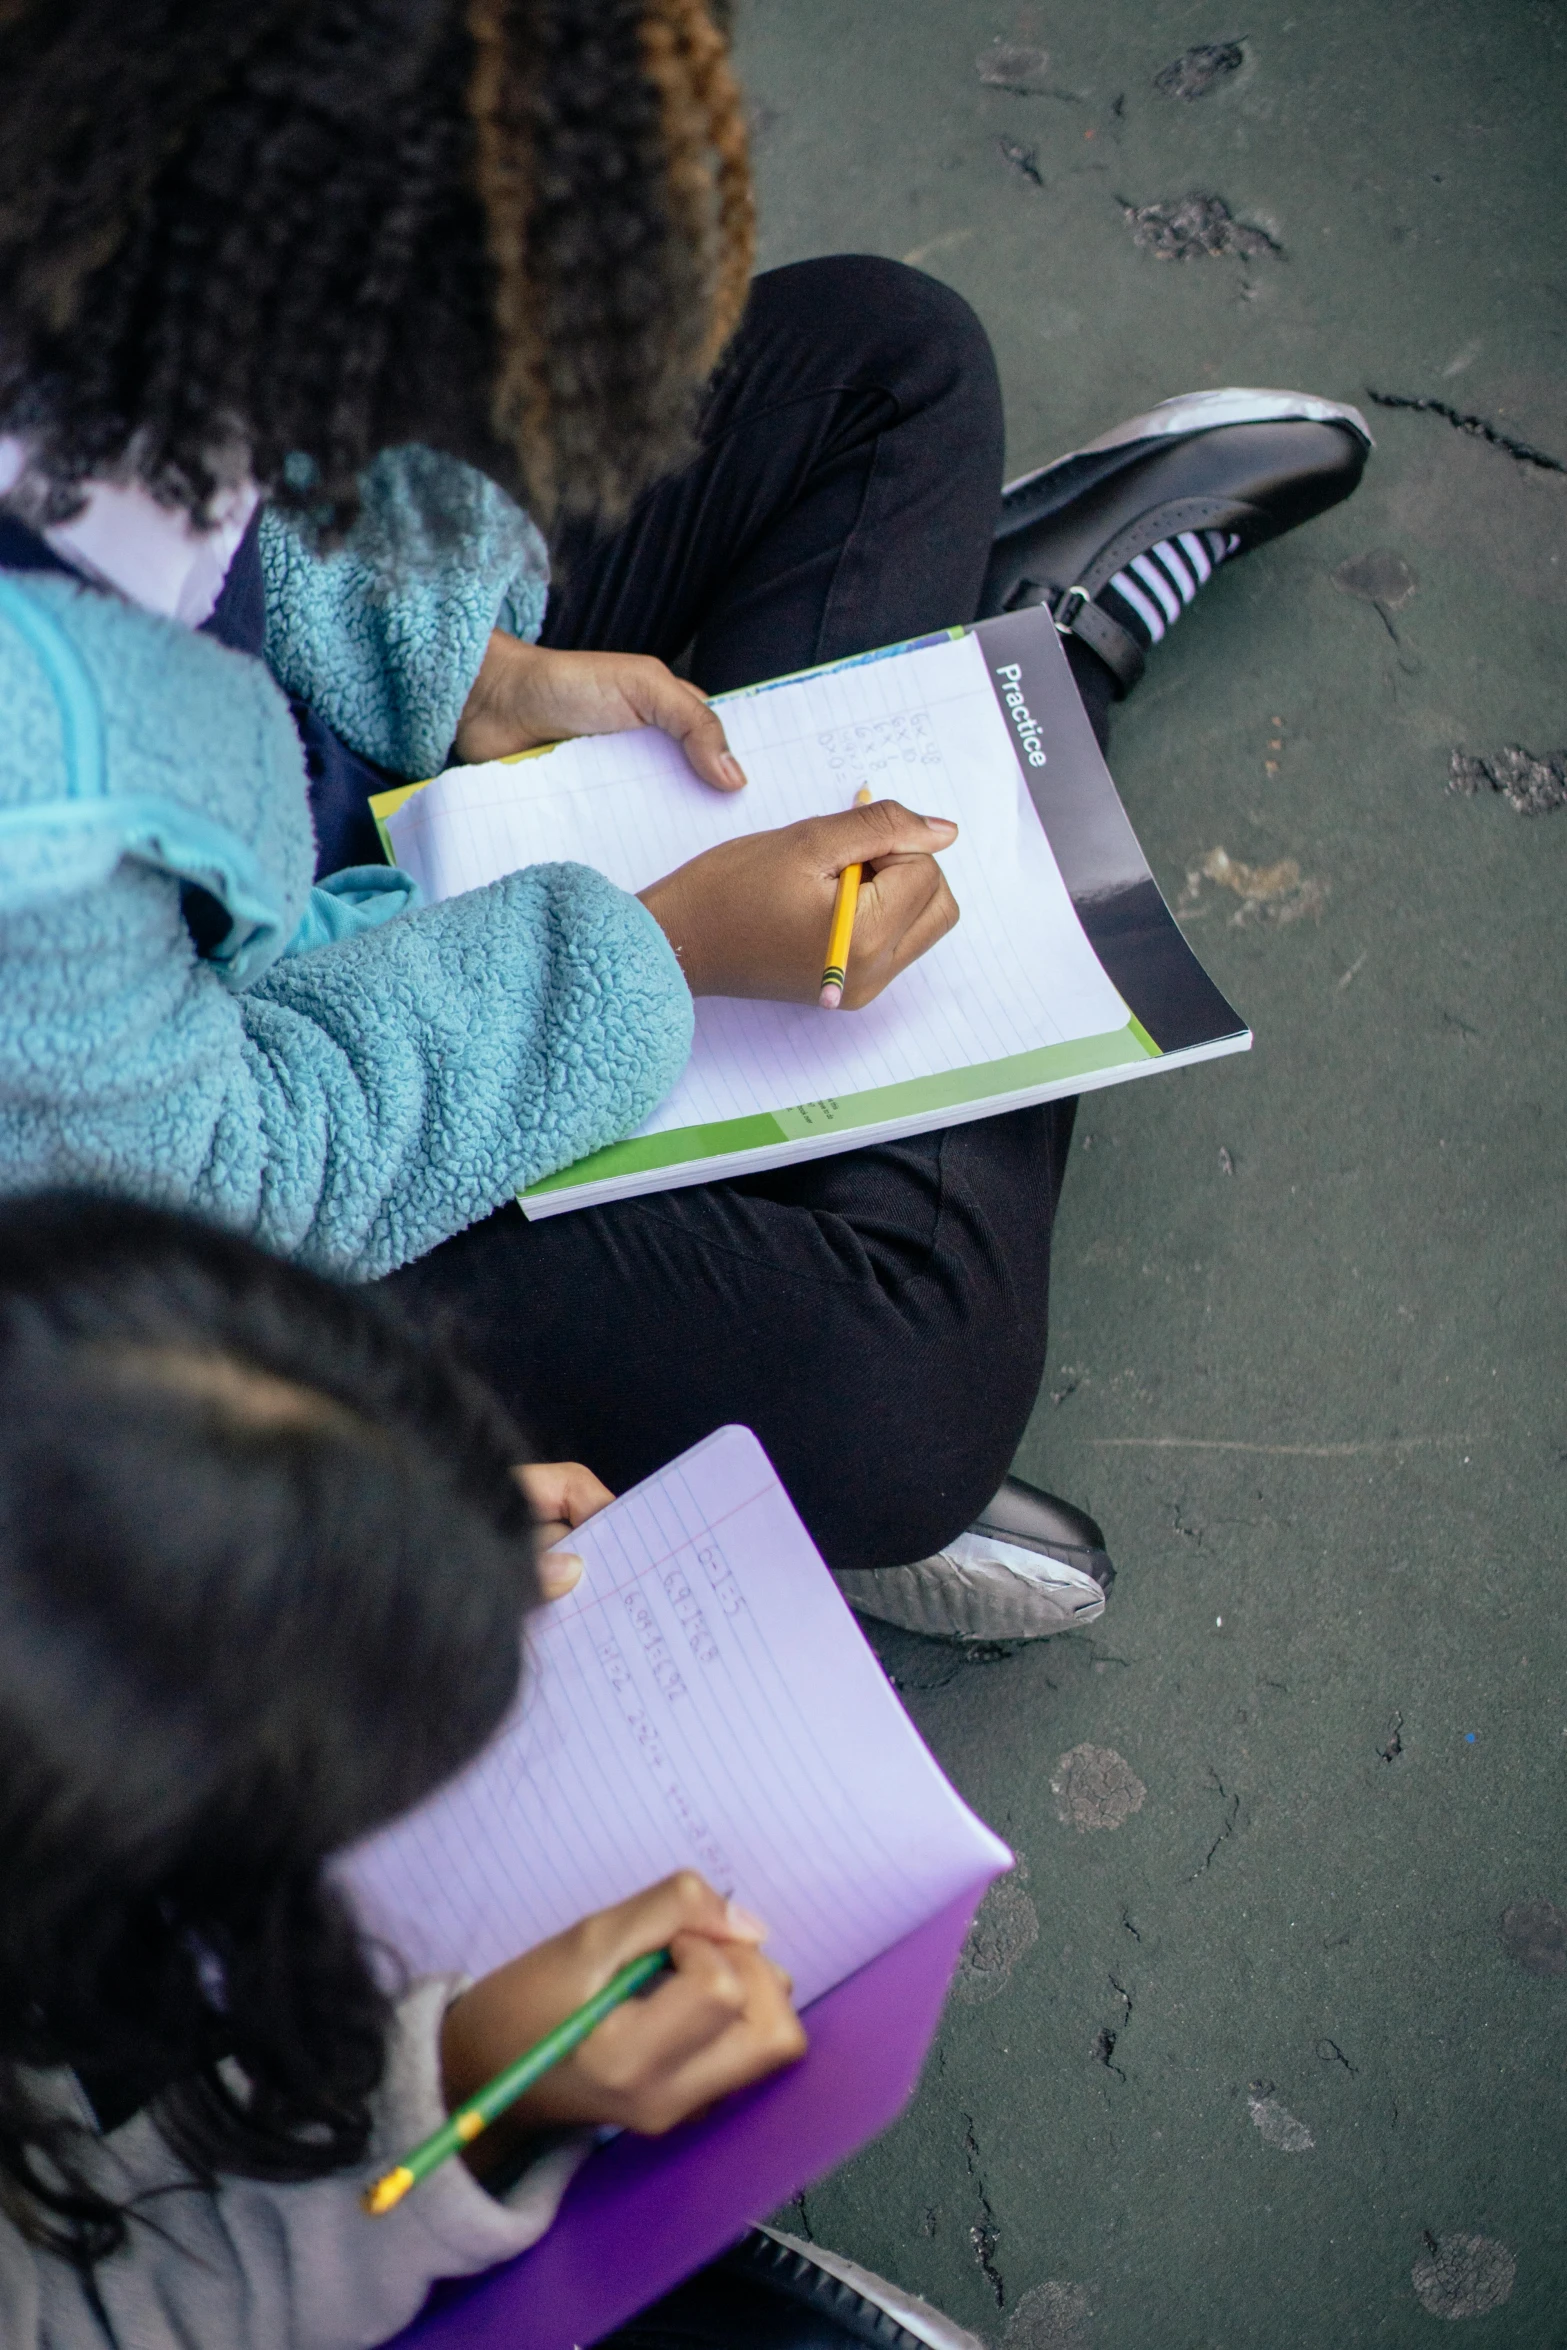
{"type": "Point", "coordinates": [923, 727]}
{"type": "Point", "coordinates": [702, 1699]}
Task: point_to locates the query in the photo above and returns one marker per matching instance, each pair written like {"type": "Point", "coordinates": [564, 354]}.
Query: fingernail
{"type": "Point", "coordinates": [743, 1926]}
{"type": "Point", "coordinates": [731, 770]}
{"type": "Point", "coordinates": [560, 1571]}
{"type": "Point", "coordinates": [939, 823]}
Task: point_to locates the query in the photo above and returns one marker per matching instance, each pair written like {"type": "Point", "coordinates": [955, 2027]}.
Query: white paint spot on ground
{"type": "Point", "coordinates": [1276, 2126]}
{"type": "Point", "coordinates": [1095, 1787]}
{"type": "Point", "coordinates": [1052, 2317]}
{"type": "Point", "coordinates": [1463, 2276]}
{"type": "Point", "coordinates": [946, 243]}
{"type": "Point", "coordinates": [1015, 66]}
{"type": "Point", "coordinates": [1268, 893]}
{"type": "Point", "coordinates": [1007, 1925]}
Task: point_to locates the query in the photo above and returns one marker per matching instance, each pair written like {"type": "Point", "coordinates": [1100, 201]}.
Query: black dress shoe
{"type": "Point", "coordinates": [1042, 1522]}
{"type": "Point", "coordinates": [1117, 538]}
{"type": "Point", "coordinates": [1028, 1567]}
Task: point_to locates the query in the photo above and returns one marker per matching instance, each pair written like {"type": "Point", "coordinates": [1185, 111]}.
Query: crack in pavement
{"type": "Point", "coordinates": [983, 2233]}
{"type": "Point", "coordinates": [1232, 1804]}
{"type": "Point", "coordinates": [1102, 2051]}
{"type": "Point", "coordinates": [1478, 427]}
{"type": "Point", "coordinates": [1023, 159]}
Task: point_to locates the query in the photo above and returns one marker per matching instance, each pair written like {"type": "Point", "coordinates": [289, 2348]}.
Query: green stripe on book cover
{"type": "Point", "coordinates": [646, 1154]}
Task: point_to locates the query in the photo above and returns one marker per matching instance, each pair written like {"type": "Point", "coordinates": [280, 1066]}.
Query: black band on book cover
{"type": "Point", "coordinates": [1116, 898]}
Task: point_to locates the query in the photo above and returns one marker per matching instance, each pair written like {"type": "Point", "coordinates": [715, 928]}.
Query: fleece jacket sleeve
{"type": "Point", "coordinates": [362, 1101]}
{"type": "Point", "coordinates": [385, 636]}
{"type": "Point", "coordinates": [258, 2265]}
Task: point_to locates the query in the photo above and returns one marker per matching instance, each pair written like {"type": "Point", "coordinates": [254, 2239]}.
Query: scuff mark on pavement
{"type": "Point", "coordinates": [1479, 428]}
{"type": "Point", "coordinates": [1463, 2276]}
{"type": "Point", "coordinates": [1189, 228]}
{"type": "Point", "coordinates": [1395, 1743]}
{"type": "Point", "coordinates": [984, 2234]}
{"type": "Point", "coordinates": [1007, 1924]}
{"type": "Point", "coordinates": [1053, 2316]}
{"type": "Point", "coordinates": [1095, 1787]}
{"type": "Point", "coordinates": [1014, 66]}
{"type": "Point", "coordinates": [1275, 2125]}
{"type": "Point", "coordinates": [1196, 71]}
{"type": "Point", "coordinates": [1530, 786]}
{"type": "Point", "coordinates": [1534, 1936]}
{"type": "Point", "coordinates": [1381, 579]}
{"type": "Point", "coordinates": [1309, 1452]}
{"type": "Point", "coordinates": [1022, 71]}
{"type": "Point", "coordinates": [947, 242]}
{"type": "Point", "coordinates": [1268, 893]}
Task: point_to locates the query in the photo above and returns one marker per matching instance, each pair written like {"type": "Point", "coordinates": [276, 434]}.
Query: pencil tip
{"type": "Point", "coordinates": [386, 2193]}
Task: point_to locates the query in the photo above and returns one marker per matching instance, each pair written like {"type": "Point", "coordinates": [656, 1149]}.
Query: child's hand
{"type": "Point", "coordinates": [525, 695]}
{"type": "Point", "coordinates": [750, 917]}
{"type": "Point", "coordinates": [561, 1494]}
{"type": "Point", "coordinates": [721, 2019]}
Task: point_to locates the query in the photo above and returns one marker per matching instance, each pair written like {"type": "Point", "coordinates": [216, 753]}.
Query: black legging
{"type": "Point", "coordinates": [877, 1317]}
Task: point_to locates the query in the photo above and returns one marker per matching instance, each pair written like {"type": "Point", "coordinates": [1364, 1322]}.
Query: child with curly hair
{"type": "Point", "coordinates": [314, 316]}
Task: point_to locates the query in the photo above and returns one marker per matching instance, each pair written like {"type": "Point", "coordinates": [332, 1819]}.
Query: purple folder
{"type": "Point", "coordinates": [645, 2212]}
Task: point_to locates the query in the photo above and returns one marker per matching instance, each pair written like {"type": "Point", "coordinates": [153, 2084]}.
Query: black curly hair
{"type": "Point", "coordinates": [280, 235]}
{"type": "Point", "coordinates": [263, 1566]}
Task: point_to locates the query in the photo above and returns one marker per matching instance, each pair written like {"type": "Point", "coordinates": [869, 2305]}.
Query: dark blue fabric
{"type": "Point", "coordinates": [341, 782]}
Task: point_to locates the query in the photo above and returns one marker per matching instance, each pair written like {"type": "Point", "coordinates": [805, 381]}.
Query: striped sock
{"type": "Point", "coordinates": [1150, 595]}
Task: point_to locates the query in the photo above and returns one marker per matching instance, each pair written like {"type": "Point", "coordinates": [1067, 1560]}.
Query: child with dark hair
{"type": "Point", "coordinates": [264, 1563]}
{"type": "Point", "coordinates": [312, 312]}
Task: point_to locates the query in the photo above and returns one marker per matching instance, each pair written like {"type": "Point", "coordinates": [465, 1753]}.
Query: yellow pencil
{"type": "Point", "coordinates": [843, 910]}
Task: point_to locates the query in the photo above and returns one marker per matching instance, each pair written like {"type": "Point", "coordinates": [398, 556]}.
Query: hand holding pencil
{"type": "Point", "coordinates": [716, 2017]}
{"type": "Point", "coordinates": [752, 916]}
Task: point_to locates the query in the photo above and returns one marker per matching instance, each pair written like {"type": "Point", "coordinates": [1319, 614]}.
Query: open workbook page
{"type": "Point", "coordinates": [1026, 998]}
{"type": "Point", "coordinates": [702, 1699]}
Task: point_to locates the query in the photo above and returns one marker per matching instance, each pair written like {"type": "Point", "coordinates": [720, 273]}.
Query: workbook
{"type": "Point", "coordinates": [1066, 971]}
{"type": "Point", "coordinates": [704, 1698]}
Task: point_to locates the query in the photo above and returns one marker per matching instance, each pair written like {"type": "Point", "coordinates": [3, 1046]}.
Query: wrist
{"type": "Point", "coordinates": [664, 901]}
{"type": "Point", "coordinates": [495, 717]}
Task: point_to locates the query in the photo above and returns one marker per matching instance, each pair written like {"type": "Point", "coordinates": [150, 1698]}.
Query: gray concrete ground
{"type": "Point", "coordinates": [1246, 2055]}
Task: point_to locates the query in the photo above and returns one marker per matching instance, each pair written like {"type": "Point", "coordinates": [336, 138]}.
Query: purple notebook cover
{"type": "Point", "coordinates": [645, 2212]}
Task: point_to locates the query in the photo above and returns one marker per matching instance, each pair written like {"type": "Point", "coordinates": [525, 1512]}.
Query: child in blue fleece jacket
{"type": "Point", "coordinates": [306, 306]}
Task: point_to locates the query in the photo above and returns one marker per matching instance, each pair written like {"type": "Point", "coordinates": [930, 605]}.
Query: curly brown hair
{"type": "Point", "coordinates": [279, 235]}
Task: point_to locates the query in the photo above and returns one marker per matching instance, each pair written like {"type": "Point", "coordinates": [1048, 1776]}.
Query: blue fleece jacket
{"type": "Point", "coordinates": [350, 1103]}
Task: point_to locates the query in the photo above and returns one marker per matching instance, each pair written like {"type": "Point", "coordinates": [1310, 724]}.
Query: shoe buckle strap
{"type": "Point", "coordinates": [1076, 614]}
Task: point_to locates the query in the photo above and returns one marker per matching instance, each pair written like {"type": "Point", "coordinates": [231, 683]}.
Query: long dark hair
{"type": "Point", "coordinates": [284, 234]}
{"type": "Point", "coordinates": [263, 1568]}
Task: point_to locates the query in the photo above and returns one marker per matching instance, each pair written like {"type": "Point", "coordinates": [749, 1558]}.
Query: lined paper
{"type": "Point", "coordinates": [702, 1699]}
{"type": "Point", "coordinates": [1016, 974]}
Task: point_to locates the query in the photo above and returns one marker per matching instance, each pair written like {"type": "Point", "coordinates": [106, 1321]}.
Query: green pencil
{"type": "Point", "coordinates": [494, 2098]}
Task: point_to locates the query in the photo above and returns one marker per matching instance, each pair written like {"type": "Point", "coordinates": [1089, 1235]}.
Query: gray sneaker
{"type": "Point", "coordinates": [865, 2306]}
{"type": "Point", "coordinates": [1029, 1566]}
